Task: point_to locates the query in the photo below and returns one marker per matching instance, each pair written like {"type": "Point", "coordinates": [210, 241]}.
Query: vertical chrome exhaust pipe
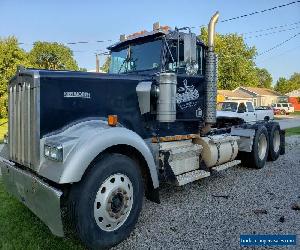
{"type": "Point", "coordinates": [211, 76]}
{"type": "Point", "coordinates": [211, 30]}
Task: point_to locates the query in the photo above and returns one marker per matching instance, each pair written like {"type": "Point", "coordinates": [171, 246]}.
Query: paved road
{"type": "Point", "coordinates": [289, 122]}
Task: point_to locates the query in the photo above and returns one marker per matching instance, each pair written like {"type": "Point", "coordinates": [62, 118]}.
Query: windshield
{"type": "Point", "coordinates": [227, 106]}
{"type": "Point", "coordinates": [145, 56]}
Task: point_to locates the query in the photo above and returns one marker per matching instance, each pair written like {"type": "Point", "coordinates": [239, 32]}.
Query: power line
{"type": "Point", "coordinates": [270, 28]}
{"type": "Point", "coordinates": [259, 11]}
{"type": "Point", "coordinates": [251, 14]}
{"type": "Point", "coordinates": [73, 43]}
{"type": "Point", "coordinates": [271, 33]}
{"type": "Point", "coordinates": [289, 50]}
{"type": "Point", "coordinates": [278, 45]}
{"type": "Point", "coordinates": [222, 21]}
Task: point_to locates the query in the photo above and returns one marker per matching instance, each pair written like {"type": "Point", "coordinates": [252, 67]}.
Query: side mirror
{"type": "Point", "coordinates": [190, 47]}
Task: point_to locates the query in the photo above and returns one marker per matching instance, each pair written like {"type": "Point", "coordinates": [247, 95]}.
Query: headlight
{"type": "Point", "coordinates": [54, 152]}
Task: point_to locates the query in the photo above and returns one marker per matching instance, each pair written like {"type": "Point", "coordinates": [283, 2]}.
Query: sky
{"type": "Point", "coordinates": [71, 21]}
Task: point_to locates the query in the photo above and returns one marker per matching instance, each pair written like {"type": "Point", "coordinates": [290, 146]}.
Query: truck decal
{"type": "Point", "coordinates": [187, 96]}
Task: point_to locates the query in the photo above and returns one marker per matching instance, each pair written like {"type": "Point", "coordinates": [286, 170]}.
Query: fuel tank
{"type": "Point", "coordinates": [218, 149]}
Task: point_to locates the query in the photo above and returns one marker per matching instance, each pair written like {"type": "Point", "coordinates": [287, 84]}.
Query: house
{"type": "Point", "coordinates": [262, 96]}
{"type": "Point", "coordinates": [294, 98]}
{"type": "Point", "coordinates": [227, 95]}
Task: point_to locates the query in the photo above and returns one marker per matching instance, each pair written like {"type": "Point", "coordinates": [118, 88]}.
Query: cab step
{"type": "Point", "coordinates": [191, 176]}
{"type": "Point", "coordinates": [226, 165]}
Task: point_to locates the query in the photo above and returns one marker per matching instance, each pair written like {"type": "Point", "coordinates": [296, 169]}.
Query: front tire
{"type": "Point", "coordinates": [104, 206]}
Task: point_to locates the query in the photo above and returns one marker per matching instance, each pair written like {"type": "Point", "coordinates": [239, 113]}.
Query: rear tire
{"type": "Point", "coordinates": [274, 142]}
{"type": "Point", "coordinates": [282, 142]}
{"type": "Point", "coordinates": [104, 206]}
{"type": "Point", "coordinates": [282, 112]}
{"type": "Point", "coordinates": [258, 156]}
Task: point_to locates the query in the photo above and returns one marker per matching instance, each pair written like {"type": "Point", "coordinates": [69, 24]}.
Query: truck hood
{"type": "Point", "coordinates": [227, 114]}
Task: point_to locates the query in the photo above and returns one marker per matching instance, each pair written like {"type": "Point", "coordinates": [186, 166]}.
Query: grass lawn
{"type": "Point", "coordinates": [3, 128]}
{"type": "Point", "coordinates": [296, 113]}
{"type": "Point", "coordinates": [292, 131]}
{"type": "Point", "coordinates": [21, 229]}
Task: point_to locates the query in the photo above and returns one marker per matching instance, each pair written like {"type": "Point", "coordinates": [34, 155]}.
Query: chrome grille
{"type": "Point", "coordinates": [23, 122]}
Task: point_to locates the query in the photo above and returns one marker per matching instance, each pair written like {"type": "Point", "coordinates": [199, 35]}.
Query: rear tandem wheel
{"type": "Point", "coordinates": [260, 148]}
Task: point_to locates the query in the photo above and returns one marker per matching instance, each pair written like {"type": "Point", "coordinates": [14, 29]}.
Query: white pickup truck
{"type": "Point", "coordinates": [244, 110]}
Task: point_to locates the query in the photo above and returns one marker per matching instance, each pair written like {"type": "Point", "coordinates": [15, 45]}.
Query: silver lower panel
{"type": "Point", "coordinates": [42, 199]}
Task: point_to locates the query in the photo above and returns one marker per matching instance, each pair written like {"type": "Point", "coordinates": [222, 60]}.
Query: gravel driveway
{"type": "Point", "coordinates": [254, 202]}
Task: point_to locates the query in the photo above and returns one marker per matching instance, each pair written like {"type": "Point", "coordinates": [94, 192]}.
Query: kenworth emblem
{"type": "Point", "coordinates": [85, 95]}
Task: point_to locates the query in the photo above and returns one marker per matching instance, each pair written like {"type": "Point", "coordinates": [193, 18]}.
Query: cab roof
{"type": "Point", "coordinates": [149, 36]}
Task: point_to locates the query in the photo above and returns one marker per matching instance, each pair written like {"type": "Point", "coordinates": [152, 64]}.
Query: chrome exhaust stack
{"type": "Point", "coordinates": [211, 76]}
{"type": "Point", "coordinates": [211, 30]}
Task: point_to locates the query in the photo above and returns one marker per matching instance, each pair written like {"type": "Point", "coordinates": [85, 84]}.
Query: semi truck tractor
{"type": "Point", "coordinates": [83, 149]}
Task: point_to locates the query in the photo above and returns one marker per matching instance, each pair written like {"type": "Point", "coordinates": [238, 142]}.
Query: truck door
{"type": "Point", "coordinates": [250, 112]}
{"type": "Point", "coordinates": [190, 97]}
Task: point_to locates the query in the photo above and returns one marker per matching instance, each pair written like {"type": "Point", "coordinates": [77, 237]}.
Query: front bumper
{"type": "Point", "coordinates": [42, 199]}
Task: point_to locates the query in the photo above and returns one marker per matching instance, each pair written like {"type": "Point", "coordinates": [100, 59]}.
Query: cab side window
{"type": "Point", "coordinates": [250, 107]}
{"type": "Point", "coordinates": [242, 108]}
{"type": "Point", "coordinates": [174, 66]}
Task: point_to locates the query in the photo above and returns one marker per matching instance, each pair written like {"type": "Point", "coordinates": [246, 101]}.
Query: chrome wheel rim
{"type": "Point", "coordinates": [276, 141]}
{"type": "Point", "coordinates": [113, 202]}
{"type": "Point", "coordinates": [262, 146]}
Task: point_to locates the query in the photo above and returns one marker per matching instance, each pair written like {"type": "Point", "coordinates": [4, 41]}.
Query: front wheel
{"type": "Point", "coordinates": [106, 203]}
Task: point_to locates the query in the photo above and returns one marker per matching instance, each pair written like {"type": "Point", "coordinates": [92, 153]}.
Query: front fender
{"type": "Point", "coordinates": [83, 143]}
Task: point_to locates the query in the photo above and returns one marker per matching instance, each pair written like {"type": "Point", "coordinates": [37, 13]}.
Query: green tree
{"type": "Point", "coordinates": [105, 66]}
{"type": "Point", "coordinates": [53, 56]}
{"type": "Point", "coordinates": [284, 86]}
{"type": "Point", "coordinates": [82, 69]}
{"type": "Point", "coordinates": [11, 55]}
{"type": "Point", "coordinates": [264, 78]}
{"type": "Point", "coordinates": [236, 61]}
{"type": "Point", "coordinates": [295, 81]}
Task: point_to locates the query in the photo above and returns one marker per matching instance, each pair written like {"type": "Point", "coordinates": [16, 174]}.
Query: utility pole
{"type": "Point", "coordinates": [97, 63]}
